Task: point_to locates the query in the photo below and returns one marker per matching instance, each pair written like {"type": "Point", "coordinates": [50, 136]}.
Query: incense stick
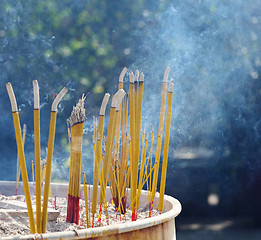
{"type": "Point", "coordinates": [98, 155]}
{"type": "Point", "coordinates": [37, 155]}
{"type": "Point", "coordinates": [166, 147]}
{"type": "Point", "coordinates": [143, 161]}
{"type": "Point", "coordinates": [160, 131]}
{"type": "Point", "coordinates": [85, 199]}
{"type": "Point", "coordinates": [132, 141]}
{"type": "Point", "coordinates": [50, 156]}
{"type": "Point", "coordinates": [18, 169]}
{"type": "Point", "coordinates": [20, 149]}
{"type": "Point", "coordinates": [33, 171]}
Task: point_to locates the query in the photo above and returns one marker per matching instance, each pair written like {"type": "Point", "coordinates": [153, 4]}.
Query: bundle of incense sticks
{"type": "Point", "coordinates": [40, 220]}
{"type": "Point", "coordinates": [76, 121]}
{"type": "Point", "coordinates": [119, 166]}
{"type": "Point", "coordinates": [136, 94]}
{"type": "Point", "coordinates": [119, 174]}
{"type": "Point", "coordinates": [121, 156]}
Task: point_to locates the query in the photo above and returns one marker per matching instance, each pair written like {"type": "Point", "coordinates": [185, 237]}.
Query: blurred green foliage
{"type": "Point", "coordinates": [84, 44]}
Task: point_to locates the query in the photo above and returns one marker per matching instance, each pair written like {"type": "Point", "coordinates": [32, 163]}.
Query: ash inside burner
{"type": "Point", "coordinates": [14, 218]}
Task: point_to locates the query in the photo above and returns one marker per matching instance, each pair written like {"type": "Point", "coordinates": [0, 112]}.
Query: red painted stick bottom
{"type": "Point", "coordinates": [73, 209]}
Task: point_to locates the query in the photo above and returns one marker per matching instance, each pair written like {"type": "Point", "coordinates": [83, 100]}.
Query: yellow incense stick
{"type": "Point", "coordinates": [37, 155]}
{"type": "Point", "coordinates": [151, 149]}
{"type": "Point", "coordinates": [124, 144]}
{"type": "Point", "coordinates": [160, 130]}
{"type": "Point", "coordinates": [33, 171]}
{"type": "Point", "coordinates": [86, 199]}
{"type": "Point", "coordinates": [150, 166]}
{"type": "Point", "coordinates": [138, 87]}
{"type": "Point", "coordinates": [132, 135]}
{"type": "Point", "coordinates": [97, 161]}
{"type": "Point", "coordinates": [140, 98]}
{"type": "Point", "coordinates": [18, 169]}
{"type": "Point", "coordinates": [20, 149]}
{"type": "Point", "coordinates": [166, 147]}
{"type": "Point", "coordinates": [50, 156]}
{"type": "Point", "coordinates": [102, 195]}
{"type": "Point", "coordinates": [143, 161]}
{"type": "Point", "coordinates": [89, 204]}
{"type": "Point", "coordinates": [115, 150]}
{"type": "Point", "coordinates": [118, 120]}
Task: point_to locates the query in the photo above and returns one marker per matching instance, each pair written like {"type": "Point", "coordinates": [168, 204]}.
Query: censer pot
{"type": "Point", "coordinates": [154, 228]}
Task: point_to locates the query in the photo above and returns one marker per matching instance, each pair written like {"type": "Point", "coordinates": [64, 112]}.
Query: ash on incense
{"type": "Point", "coordinates": [14, 218]}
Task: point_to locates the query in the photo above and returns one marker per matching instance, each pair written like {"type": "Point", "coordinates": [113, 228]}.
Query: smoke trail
{"type": "Point", "coordinates": [213, 51]}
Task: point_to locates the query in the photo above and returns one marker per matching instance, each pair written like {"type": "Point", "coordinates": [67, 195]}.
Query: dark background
{"type": "Point", "coordinates": [213, 50]}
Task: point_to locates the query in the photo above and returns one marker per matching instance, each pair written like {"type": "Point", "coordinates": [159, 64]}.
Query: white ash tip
{"type": "Point", "coordinates": [36, 94]}
{"type": "Point", "coordinates": [58, 99]}
{"type": "Point", "coordinates": [11, 94]}
{"type": "Point", "coordinates": [171, 85]}
{"type": "Point", "coordinates": [123, 72]}
{"type": "Point", "coordinates": [104, 104]}
{"type": "Point", "coordinates": [166, 74]}
{"type": "Point", "coordinates": [136, 76]}
{"type": "Point", "coordinates": [142, 77]}
{"type": "Point", "coordinates": [117, 98]}
{"type": "Point", "coordinates": [131, 75]}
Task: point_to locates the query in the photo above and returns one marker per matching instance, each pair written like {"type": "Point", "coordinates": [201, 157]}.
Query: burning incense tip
{"type": "Point", "coordinates": [36, 94]}
{"type": "Point", "coordinates": [12, 97]}
{"type": "Point", "coordinates": [123, 72]}
{"type": "Point", "coordinates": [58, 99]}
{"type": "Point", "coordinates": [131, 77]}
{"type": "Point", "coordinates": [171, 85]}
{"type": "Point", "coordinates": [142, 77]}
{"type": "Point", "coordinates": [104, 104]}
{"type": "Point", "coordinates": [136, 77]}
